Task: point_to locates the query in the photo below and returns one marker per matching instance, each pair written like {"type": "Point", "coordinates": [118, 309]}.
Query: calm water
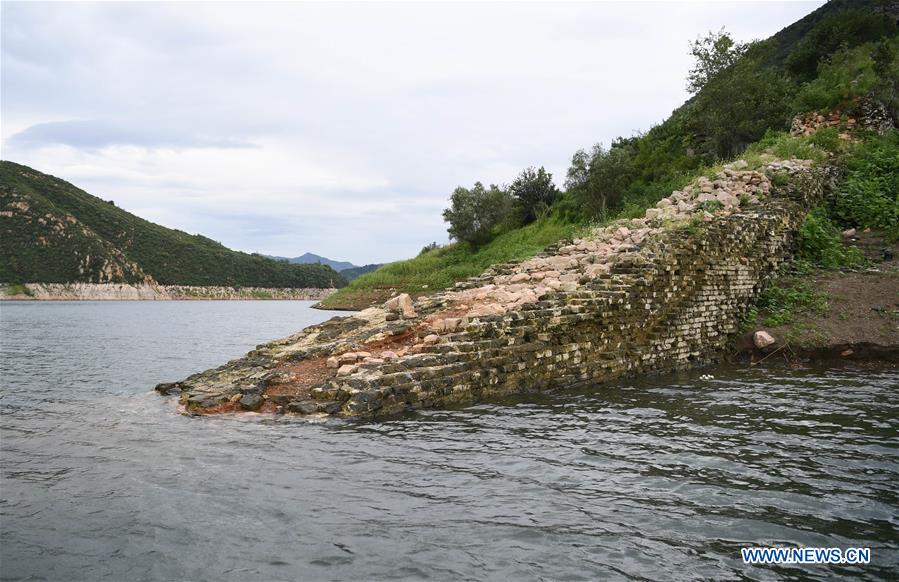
{"type": "Point", "coordinates": [658, 479]}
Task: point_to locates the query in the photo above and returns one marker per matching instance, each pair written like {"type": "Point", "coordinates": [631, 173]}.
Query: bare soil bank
{"type": "Point", "coordinates": [858, 321]}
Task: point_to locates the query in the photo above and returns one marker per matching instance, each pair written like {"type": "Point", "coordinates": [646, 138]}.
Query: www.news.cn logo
{"type": "Point", "coordinates": [806, 555]}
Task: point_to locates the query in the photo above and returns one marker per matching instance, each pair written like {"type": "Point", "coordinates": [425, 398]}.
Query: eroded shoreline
{"type": "Point", "coordinates": [146, 292]}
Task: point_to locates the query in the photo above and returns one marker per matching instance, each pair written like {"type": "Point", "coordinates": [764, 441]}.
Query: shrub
{"type": "Point", "coordinates": [432, 246]}
{"type": "Point", "coordinates": [534, 193]}
{"type": "Point", "coordinates": [818, 241]}
{"type": "Point", "coordinates": [710, 205]}
{"type": "Point", "coordinates": [845, 74]}
{"type": "Point", "coordinates": [782, 145]}
{"type": "Point", "coordinates": [474, 214]}
{"type": "Point", "coordinates": [827, 138]}
{"type": "Point", "coordinates": [868, 194]}
{"type": "Point", "coordinates": [782, 303]}
{"type": "Point", "coordinates": [598, 180]}
{"type": "Point", "coordinates": [846, 29]}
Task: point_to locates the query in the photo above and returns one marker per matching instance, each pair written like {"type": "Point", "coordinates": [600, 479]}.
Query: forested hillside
{"type": "Point", "coordinates": [53, 232]}
{"type": "Point", "coordinates": [840, 62]}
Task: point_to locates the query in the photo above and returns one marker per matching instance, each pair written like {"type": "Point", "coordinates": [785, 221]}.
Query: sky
{"type": "Point", "coordinates": [336, 128]}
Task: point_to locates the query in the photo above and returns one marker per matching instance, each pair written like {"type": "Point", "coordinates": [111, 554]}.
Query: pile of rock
{"type": "Point", "coordinates": [870, 114]}
{"type": "Point", "coordinates": [592, 257]}
{"type": "Point", "coordinates": [809, 123]}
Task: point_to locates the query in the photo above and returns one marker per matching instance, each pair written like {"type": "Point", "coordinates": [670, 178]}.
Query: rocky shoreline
{"type": "Point", "coordinates": [147, 292]}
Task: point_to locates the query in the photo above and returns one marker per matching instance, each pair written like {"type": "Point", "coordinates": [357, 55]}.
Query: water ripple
{"type": "Point", "coordinates": [665, 477]}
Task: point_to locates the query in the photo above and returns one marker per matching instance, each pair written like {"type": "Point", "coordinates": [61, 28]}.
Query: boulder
{"type": "Point", "coordinates": [401, 304]}
{"type": "Point", "coordinates": [598, 269]}
{"type": "Point", "coordinates": [388, 355]}
{"type": "Point", "coordinates": [167, 388]}
{"type": "Point", "coordinates": [346, 370]}
{"type": "Point", "coordinates": [432, 339]}
{"type": "Point", "coordinates": [519, 278]}
{"type": "Point", "coordinates": [303, 407]}
{"type": "Point", "coordinates": [452, 323]}
{"type": "Point", "coordinates": [333, 363]}
{"type": "Point", "coordinates": [762, 339]}
{"type": "Point", "coordinates": [251, 401]}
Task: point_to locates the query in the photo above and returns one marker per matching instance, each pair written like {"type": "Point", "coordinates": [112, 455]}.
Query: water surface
{"type": "Point", "coordinates": [662, 478]}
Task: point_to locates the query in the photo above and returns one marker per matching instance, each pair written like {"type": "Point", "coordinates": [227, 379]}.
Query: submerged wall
{"type": "Point", "coordinates": [664, 294]}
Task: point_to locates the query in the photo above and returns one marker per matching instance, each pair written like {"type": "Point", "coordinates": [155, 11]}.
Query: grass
{"type": "Point", "coordinates": [784, 300]}
{"type": "Point", "coordinates": [441, 268]}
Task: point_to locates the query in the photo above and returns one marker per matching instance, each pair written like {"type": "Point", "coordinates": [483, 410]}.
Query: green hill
{"type": "Point", "coordinates": [53, 232]}
{"type": "Point", "coordinates": [839, 60]}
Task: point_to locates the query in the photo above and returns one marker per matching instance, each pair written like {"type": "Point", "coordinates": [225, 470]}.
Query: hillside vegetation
{"type": "Point", "coordinates": [841, 61]}
{"type": "Point", "coordinates": [53, 232]}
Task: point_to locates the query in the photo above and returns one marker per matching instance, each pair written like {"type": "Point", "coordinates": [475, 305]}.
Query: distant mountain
{"type": "Point", "coordinates": [311, 259]}
{"type": "Point", "coordinates": [53, 232]}
{"type": "Point", "coordinates": [345, 268]}
{"type": "Point", "coordinates": [353, 273]}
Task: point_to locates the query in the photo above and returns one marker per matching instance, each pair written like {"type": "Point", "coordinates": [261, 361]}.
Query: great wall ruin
{"type": "Point", "coordinates": [658, 293]}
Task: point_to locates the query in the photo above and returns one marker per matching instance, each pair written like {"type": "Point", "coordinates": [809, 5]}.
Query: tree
{"type": "Point", "coordinates": [740, 103]}
{"type": "Point", "coordinates": [713, 53]}
{"type": "Point", "coordinates": [534, 192]}
{"type": "Point", "coordinates": [474, 214]}
{"type": "Point", "coordinates": [598, 180]}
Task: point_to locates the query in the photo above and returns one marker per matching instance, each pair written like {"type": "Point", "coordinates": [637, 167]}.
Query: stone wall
{"type": "Point", "coordinates": [664, 294]}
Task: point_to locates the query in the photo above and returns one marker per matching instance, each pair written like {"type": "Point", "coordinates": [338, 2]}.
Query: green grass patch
{"type": "Point", "coordinates": [441, 268]}
{"type": "Point", "coordinates": [818, 242]}
{"type": "Point", "coordinates": [783, 301]}
{"type": "Point", "coordinates": [868, 194]}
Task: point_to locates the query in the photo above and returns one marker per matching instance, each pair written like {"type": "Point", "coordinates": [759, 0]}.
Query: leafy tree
{"type": "Point", "coordinates": [714, 53]}
{"type": "Point", "coordinates": [475, 213]}
{"type": "Point", "coordinates": [599, 179]}
{"type": "Point", "coordinates": [738, 105]}
{"type": "Point", "coordinates": [534, 192]}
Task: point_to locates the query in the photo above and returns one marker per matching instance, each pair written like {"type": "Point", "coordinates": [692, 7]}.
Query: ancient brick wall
{"type": "Point", "coordinates": [670, 304]}
{"type": "Point", "coordinates": [663, 297]}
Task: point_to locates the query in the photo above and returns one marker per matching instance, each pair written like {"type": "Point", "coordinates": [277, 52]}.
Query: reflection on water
{"type": "Point", "coordinates": [665, 477]}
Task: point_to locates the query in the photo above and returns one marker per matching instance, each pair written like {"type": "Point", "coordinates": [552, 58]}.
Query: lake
{"type": "Point", "coordinates": [664, 477]}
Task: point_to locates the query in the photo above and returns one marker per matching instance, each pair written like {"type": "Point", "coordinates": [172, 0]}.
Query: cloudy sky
{"type": "Point", "coordinates": [337, 128]}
